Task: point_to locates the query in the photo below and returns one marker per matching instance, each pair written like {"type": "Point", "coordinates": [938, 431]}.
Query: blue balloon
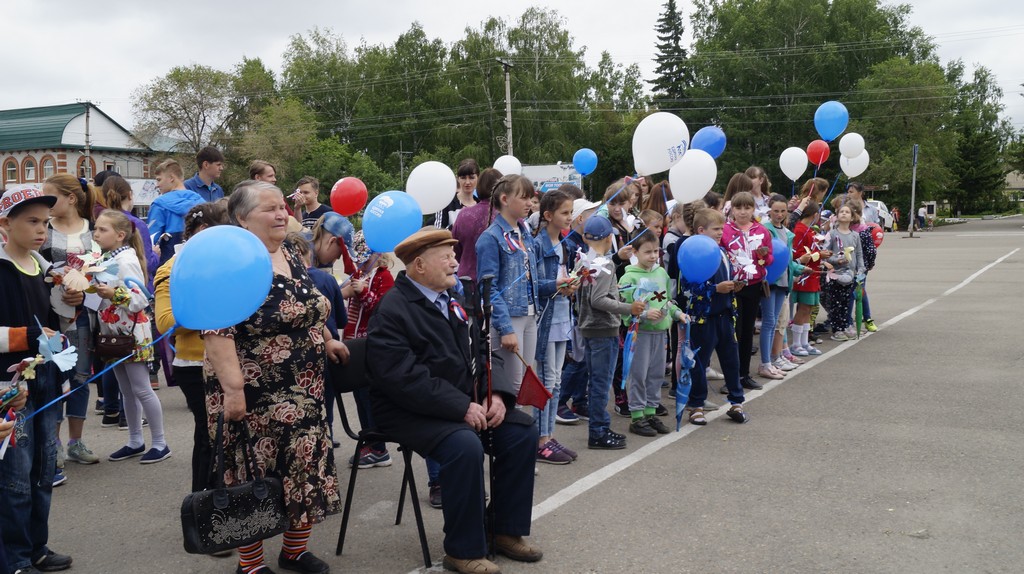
{"type": "Point", "coordinates": [710, 139]}
{"type": "Point", "coordinates": [585, 161]}
{"type": "Point", "coordinates": [220, 278]}
{"type": "Point", "coordinates": [781, 256]}
{"type": "Point", "coordinates": [831, 119]}
{"type": "Point", "coordinates": [390, 218]}
{"type": "Point", "coordinates": [699, 258]}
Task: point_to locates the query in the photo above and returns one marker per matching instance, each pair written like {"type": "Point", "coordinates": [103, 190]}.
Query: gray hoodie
{"type": "Point", "coordinates": [600, 307]}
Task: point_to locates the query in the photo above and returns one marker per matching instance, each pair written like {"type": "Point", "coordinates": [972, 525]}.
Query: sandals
{"type": "Point", "coordinates": [697, 416]}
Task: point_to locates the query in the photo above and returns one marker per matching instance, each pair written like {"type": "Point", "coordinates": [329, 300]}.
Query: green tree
{"type": "Point", "coordinates": [900, 103]}
{"type": "Point", "coordinates": [977, 169]}
{"type": "Point", "coordinates": [253, 88]}
{"type": "Point", "coordinates": [672, 76]}
{"type": "Point", "coordinates": [320, 73]}
{"type": "Point", "coordinates": [191, 104]}
{"type": "Point", "coordinates": [762, 68]}
{"type": "Point", "coordinates": [281, 133]}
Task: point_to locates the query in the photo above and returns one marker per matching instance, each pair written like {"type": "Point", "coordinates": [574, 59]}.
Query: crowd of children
{"type": "Point", "coordinates": [590, 295]}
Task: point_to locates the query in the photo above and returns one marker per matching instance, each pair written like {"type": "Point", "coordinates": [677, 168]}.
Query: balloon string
{"type": "Point", "coordinates": [100, 374]}
{"type": "Point", "coordinates": [793, 189]}
{"type": "Point", "coordinates": [825, 202]}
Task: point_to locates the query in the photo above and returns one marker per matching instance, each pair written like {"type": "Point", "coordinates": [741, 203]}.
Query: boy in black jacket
{"type": "Point", "coordinates": [26, 472]}
{"type": "Point", "coordinates": [711, 310]}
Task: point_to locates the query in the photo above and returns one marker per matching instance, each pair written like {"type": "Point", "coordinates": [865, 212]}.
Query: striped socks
{"type": "Point", "coordinates": [295, 540]}
{"type": "Point", "coordinates": [250, 558]}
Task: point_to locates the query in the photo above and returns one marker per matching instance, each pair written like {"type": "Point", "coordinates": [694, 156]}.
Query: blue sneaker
{"type": "Point", "coordinates": [156, 455]}
{"type": "Point", "coordinates": [59, 478]}
{"type": "Point", "coordinates": [126, 452]}
{"type": "Point", "coordinates": [565, 416]}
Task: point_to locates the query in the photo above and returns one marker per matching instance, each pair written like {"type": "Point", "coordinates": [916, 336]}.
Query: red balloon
{"type": "Point", "coordinates": [877, 234]}
{"type": "Point", "coordinates": [348, 196]}
{"type": "Point", "coordinates": [817, 152]}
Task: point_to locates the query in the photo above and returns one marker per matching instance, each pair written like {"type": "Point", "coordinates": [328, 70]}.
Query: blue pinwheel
{"type": "Point", "coordinates": [52, 349]}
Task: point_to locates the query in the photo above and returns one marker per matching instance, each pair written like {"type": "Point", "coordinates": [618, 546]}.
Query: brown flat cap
{"type": "Point", "coordinates": [414, 245]}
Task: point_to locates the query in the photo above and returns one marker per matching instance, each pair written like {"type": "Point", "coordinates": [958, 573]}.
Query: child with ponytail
{"type": "Point", "coordinates": [122, 312]}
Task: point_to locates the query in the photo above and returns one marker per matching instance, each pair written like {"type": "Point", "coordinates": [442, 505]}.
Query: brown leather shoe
{"type": "Point", "coordinates": [516, 548]}
{"type": "Point", "coordinates": [470, 565]}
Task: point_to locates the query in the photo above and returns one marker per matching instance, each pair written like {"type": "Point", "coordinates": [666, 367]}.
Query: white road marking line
{"type": "Point", "coordinates": [558, 499]}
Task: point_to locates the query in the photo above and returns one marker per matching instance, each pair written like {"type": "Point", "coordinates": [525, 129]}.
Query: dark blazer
{"type": "Point", "coordinates": [421, 367]}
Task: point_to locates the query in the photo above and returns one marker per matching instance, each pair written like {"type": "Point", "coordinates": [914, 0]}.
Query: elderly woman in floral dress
{"type": "Point", "coordinates": [268, 372]}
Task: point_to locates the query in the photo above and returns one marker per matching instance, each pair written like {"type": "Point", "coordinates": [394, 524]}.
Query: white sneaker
{"type": "Point", "coordinates": [713, 375]}
{"type": "Point", "coordinates": [840, 336]}
{"type": "Point", "coordinates": [783, 364]}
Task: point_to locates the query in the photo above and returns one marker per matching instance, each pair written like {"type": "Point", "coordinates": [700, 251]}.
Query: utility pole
{"type": "Point", "coordinates": [508, 103]}
{"type": "Point", "coordinates": [401, 161]}
{"type": "Point", "coordinates": [913, 193]}
{"type": "Point", "coordinates": [87, 152]}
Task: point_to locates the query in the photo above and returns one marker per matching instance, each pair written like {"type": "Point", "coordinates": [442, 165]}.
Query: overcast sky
{"type": "Point", "coordinates": [58, 51]}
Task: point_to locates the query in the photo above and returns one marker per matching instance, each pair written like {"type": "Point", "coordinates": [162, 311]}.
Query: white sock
{"type": "Point", "coordinates": [805, 334]}
{"type": "Point", "coordinates": [796, 335]}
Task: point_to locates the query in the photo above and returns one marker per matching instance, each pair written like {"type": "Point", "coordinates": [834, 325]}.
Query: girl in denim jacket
{"type": "Point", "coordinates": [505, 251]}
{"type": "Point", "coordinates": [553, 263]}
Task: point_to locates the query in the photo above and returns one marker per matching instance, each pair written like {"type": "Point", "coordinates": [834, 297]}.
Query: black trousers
{"type": "Point", "coordinates": [190, 381]}
{"type": "Point", "coordinates": [748, 301]}
{"type": "Point", "coordinates": [461, 456]}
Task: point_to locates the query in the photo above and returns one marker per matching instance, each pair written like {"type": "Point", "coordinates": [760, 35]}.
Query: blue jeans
{"type": "Point", "coordinates": [716, 334]}
{"type": "Point", "coordinates": [76, 405]}
{"type": "Point", "coordinates": [26, 475]}
{"type": "Point", "coordinates": [602, 354]}
{"type": "Point", "coordinates": [771, 306]}
{"type": "Point", "coordinates": [575, 375]}
{"type": "Point", "coordinates": [551, 371]}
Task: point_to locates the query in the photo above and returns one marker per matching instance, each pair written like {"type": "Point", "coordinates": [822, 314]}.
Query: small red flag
{"type": "Point", "coordinates": [532, 391]}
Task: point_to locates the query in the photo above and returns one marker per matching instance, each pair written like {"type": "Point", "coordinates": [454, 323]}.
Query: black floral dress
{"type": "Point", "coordinates": [281, 352]}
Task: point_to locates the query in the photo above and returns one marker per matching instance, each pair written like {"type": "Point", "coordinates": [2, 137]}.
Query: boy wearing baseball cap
{"type": "Point", "coordinates": [600, 311]}
{"type": "Point", "coordinates": [26, 471]}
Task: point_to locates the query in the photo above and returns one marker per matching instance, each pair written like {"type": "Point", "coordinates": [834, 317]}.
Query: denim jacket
{"type": "Point", "coordinates": [547, 278]}
{"type": "Point", "coordinates": [509, 294]}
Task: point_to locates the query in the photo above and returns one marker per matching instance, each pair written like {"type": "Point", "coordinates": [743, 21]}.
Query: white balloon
{"type": "Point", "coordinates": [693, 176]}
{"type": "Point", "coordinates": [432, 184]}
{"type": "Point", "coordinates": [851, 145]}
{"type": "Point", "coordinates": [659, 142]}
{"type": "Point", "coordinates": [508, 165]}
{"type": "Point", "coordinates": [793, 162]}
{"type": "Point", "coordinates": [854, 166]}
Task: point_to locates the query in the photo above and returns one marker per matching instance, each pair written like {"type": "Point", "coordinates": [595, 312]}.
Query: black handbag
{"type": "Point", "coordinates": [113, 347]}
{"type": "Point", "coordinates": [222, 518]}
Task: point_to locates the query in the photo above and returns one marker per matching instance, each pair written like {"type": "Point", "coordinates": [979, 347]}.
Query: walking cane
{"type": "Point", "coordinates": [485, 306]}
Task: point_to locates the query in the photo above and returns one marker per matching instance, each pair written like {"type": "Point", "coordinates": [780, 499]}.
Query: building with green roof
{"type": "Point", "coordinates": [77, 138]}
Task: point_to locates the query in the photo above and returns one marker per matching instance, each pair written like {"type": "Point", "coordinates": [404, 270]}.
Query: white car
{"type": "Point", "coordinates": [884, 217]}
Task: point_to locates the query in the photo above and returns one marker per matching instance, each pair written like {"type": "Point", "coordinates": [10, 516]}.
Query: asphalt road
{"type": "Point", "coordinates": [900, 452]}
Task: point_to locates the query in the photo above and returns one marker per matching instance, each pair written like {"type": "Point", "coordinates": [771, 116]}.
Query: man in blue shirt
{"type": "Point", "coordinates": [211, 163]}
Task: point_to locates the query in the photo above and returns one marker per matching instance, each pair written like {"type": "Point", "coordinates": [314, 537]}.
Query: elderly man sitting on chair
{"type": "Point", "coordinates": [429, 391]}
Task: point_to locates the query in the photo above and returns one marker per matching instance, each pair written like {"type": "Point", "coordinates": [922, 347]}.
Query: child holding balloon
{"type": "Point", "coordinates": [848, 268]}
{"type": "Point", "coordinates": [749, 247]}
{"type": "Point", "coordinates": [774, 310]}
{"type": "Point", "coordinates": [710, 308]}
{"type": "Point", "coordinates": [807, 288]}
{"type": "Point", "coordinates": [122, 312]}
{"type": "Point", "coordinates": [505, 251]}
